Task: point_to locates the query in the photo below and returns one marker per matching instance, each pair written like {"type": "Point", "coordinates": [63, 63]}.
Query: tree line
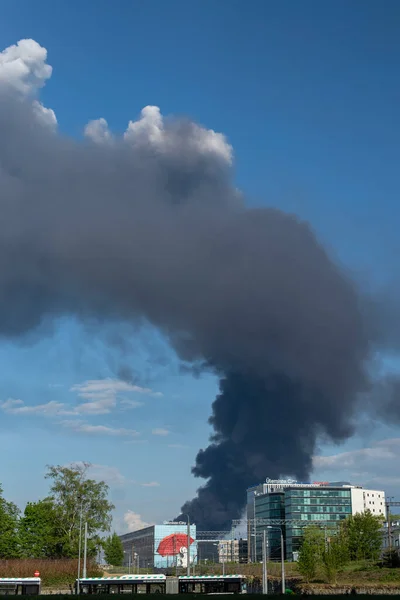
{"type": "Point", "coordinates": [358, 538]}
{"type": "Point", "coordinates": [50, 528]}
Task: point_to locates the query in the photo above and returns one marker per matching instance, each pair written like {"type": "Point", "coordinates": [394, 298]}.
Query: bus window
{"type": "Point", "coordinates": [216, 587]}
{"type": "Point", "coordinates": [141, 588]}
{"type": "Point", "coordinates": [6, 590]}
{"type": "Point", "coordinates": [30, 590]}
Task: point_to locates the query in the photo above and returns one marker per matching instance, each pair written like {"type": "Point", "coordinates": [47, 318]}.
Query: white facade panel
{"type": "Point", "coordinates": [373, 500]}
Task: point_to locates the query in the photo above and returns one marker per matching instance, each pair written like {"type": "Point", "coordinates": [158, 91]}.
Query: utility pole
{"type": "Point", "coordinates": [188, 546]}
{"type": "Point", "coordinates": [85, 552]}
{"type": "Point", "coordinates": [255, 528]}
{"type": "Point", "coordinates": [389, 524]}
{"type": "Point", "coordinates": [264, 562]}
{"type": "Point", "coordinates": [283, 563]}
{"type": "Point", "coordinates": [79, 549]}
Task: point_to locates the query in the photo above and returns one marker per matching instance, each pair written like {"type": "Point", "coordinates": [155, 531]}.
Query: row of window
{"type": "Point", "coordinates": [318, 493]}
{"type": "Point", "coordinates": [317, 516]}
{"type": "Point", "coordinates": [317, 501]}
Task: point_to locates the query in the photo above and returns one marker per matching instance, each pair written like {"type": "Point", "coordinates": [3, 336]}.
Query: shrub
{"type": "Point", "coordinates": [52, 572]}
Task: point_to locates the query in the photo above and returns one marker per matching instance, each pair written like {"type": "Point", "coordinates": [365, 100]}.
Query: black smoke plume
{"type": "Point", "coordinates": [148, 226]}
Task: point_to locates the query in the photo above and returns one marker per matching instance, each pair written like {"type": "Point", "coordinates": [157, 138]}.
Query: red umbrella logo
{"type": "Point", "coordinates": [171, 544]}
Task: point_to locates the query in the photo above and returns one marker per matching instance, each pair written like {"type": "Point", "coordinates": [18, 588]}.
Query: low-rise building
{"type": "Point", "coordinates": [161, 546]}
{"type": "Point", "coordinates": [234, 551]}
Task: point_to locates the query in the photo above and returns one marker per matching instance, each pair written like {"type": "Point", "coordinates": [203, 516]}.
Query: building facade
{"type": "Point", "coordinates": [268, 506]}
{"type": "Point", "coordinates": [232, 551]}
{"type": "Point", "coordinates": [326, 505]}
{"type": "Point", "coordinates": [160, 546]}
{"type": "Point", "coordinates": [373, 500]}
{"type": "Point", "coordinates": [293, 505]}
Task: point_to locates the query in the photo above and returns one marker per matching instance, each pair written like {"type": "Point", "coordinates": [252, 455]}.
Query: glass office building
{"type": "Point", "coordinates": [327, 505]}
{"type": "Point", "coordinates": [268, 506]}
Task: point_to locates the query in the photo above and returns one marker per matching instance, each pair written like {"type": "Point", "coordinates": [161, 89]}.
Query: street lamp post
{"type": "Point", "coordinates": [282, 555]}
{"type": "Point", "coordinates": [79, 546]}
{"type": "Point", "coordinates": [264, 562]}
{"type": "Point", "coordinates": [188, 546]}
{"type": "Point", "coordinates": [85, 551]}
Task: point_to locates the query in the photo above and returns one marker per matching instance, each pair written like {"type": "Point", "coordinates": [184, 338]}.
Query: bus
{"type": "Point", "coordinates": [212, 584]}
{"type": "Point", "coordinates": [125, 584]}
{"type": "Point", "coordinates": [160, 584]}
{"type": "Point", "coordinates": [26, 586]}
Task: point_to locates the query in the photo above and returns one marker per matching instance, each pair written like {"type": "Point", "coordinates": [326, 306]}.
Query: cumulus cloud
{"type": "Point", "coordinates": [23, 66]}
{"type": "Point", "coordinates": [98, 131]}
{"type": "Point", "coordinates": [134, 521]}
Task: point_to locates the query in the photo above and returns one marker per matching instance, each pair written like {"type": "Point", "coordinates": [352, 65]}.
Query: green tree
{"type": "Point", "coordinates": [334, 556]}
{"type": "Point", "coordinates": [39, 536]}
{"type": "Point", "coordinates": [113, 550]}
{"type": "Point", "coordinates": [364, 536]}
{"type": "Point", "coordinates": [311, 552]}
{"type": "Point", "coordinates": [9, 541]}
{"type": "Point", "coordinates": [74, 495]}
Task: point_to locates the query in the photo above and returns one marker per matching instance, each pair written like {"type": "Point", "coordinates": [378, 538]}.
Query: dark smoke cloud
{"type": "Point", "coordinates": [149, 227]}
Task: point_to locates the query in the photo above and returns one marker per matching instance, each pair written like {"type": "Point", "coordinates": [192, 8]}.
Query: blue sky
{"type": "Point", "coordinates": [308, 95]}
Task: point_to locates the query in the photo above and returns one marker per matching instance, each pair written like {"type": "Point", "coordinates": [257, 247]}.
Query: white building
{"type": "Point", "coordinates": [363, 500]}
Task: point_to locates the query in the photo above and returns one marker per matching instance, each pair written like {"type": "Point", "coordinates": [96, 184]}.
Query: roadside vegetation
{"type": "Point", "coordinates": [50, 528]}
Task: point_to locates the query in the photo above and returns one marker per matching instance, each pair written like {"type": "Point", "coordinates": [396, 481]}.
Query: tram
{"type": "Point", "coordinates": [160, 584]}
{"type": "Point", "coordinates": [26, 586]}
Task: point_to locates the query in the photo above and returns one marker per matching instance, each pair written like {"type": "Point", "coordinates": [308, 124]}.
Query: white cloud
{"type": "Point", "coordinates": [377, 464]}
{"type": "Point", "coordinates": [23, 66]}
{"type": "Point", "coordinates": [18, 407]}
{"type": "Point", "coordinates": [98, 131]}
{"type": "Point", "coordinates": [101, 395]}
{"type": "Point", "coordinates": [150, 484]}
{"type": "Point", "coordinates": [177, 446]}
{"type": "Point", "coordinates": [111, 475]}
{"type": "Point", "coordinates": [126, 402]}
{"type": "Point", "coordinates": [134, 521]}
{"type": "Point", "coordinates": [82, 427]}
{"type": "Point", "coordinates": [149, 129]}
{"type": "Point", "coordinates": [23, 69]}
{"type": "Point", "coordinates": [160, 431]}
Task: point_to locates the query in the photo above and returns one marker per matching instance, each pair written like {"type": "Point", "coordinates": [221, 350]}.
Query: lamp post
{"type": "Point", "coordinates": [85, 551]}
{"type": "Point", "coordinates": [282, 555]}
{"type": "Point", "coordinates": [79, 548]}
{"type": "Point", "coordinates": [188, 545]}
{"type": "Point", "coordinates": [264, 562]}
